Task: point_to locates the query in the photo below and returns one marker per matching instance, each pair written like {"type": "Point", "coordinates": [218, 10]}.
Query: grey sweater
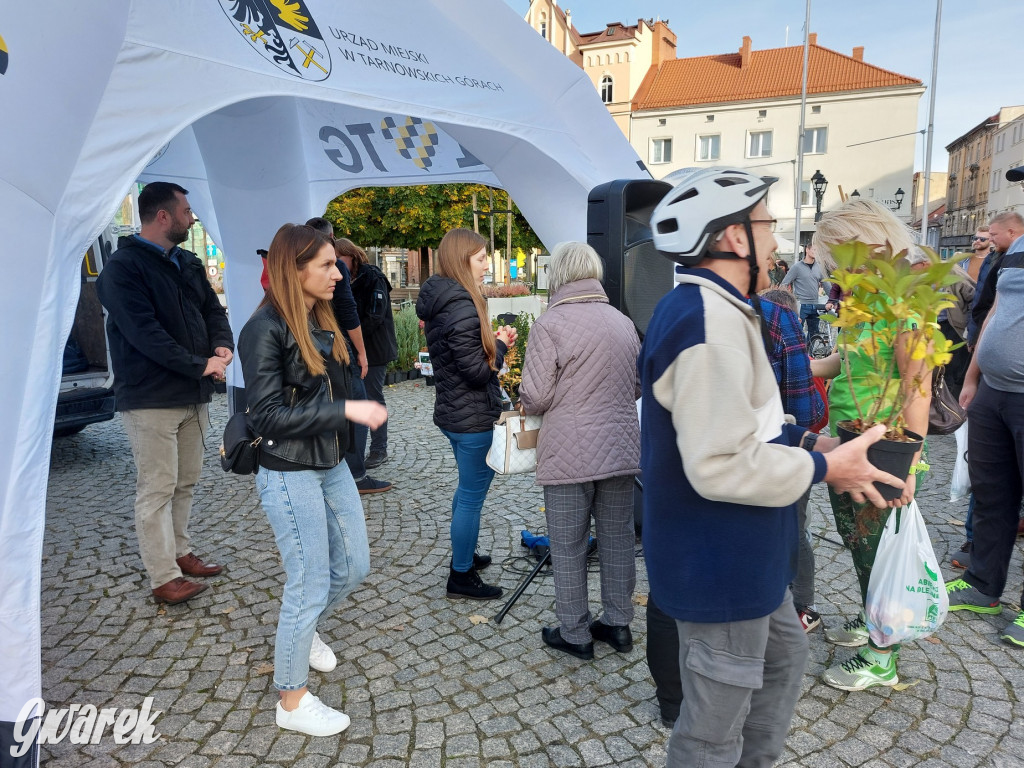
{"type": "Point", "coordinates": [1001, 348]}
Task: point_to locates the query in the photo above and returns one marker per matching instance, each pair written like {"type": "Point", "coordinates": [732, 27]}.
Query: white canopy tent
{"type": "Point", "coordinates": [264, 110]}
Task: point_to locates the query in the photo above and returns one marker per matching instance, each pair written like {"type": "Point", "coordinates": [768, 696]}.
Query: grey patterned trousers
{"type": "Point", "coordinates": [569, 509]}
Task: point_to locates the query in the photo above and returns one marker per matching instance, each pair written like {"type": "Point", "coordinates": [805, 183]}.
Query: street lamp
{"type": "Point", "coordinates": [900, 194]}
{"type": "Point", "coordinates": [819, 183]}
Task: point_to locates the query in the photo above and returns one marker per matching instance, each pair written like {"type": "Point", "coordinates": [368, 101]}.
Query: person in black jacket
{"type": "Point", "coordinates": [295, 365]}
{"type": "Point", "coordinates": [169, 343]}
{"type": "Point", "coordinates": [372, 293]}
{"type": "Point", "coordinates": [466, 357]}
{"type": "Point", "coordinates": [347, 315]}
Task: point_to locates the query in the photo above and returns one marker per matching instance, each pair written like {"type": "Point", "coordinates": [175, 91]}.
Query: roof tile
{"type": "Point", "coordinates": [772, 73]}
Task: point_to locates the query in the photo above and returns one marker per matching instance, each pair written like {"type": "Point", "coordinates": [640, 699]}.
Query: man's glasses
{"type": "Point", "coordinates": [772, 223]}
{"type": "Point", "coordinates": [983, 239]}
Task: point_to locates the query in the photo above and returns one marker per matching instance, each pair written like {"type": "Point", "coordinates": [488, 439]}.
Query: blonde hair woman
{"type": "Point", "coordinates": [861, 525]}
{"type": "Point", "coordinates": [466, 355]}
{"type": "Point", "coordinates": [296, 381]}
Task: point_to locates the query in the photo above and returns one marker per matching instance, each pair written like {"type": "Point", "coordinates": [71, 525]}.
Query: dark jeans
{"type": "Point", "coordinates": [995, 444]}
{"type": "Point", "coordinates": [803, 582]}
{"type": "Point", "coordinates": [663, 660]}
{"type": "Point", "coordinates": [355, 455]}
{"type": "Point", "coordinates": [809, 314]}
{"type": "Point", "coordinates": [374, 383]}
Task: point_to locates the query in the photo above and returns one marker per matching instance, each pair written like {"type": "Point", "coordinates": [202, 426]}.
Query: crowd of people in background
{"type": "Point", "coordinates": [726, 475]}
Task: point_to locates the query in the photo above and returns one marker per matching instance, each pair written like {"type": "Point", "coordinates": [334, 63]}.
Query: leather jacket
{"type": "Point", "coordinates": [301, 417]}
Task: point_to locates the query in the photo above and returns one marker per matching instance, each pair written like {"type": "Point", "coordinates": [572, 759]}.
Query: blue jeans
{"type": "Point", "coordinates": [355, 455]}
{"type": "Point", "coordinates": [470, 449]}
{"type": "Point", "coordinates": [318, 523]}
{"type": "Point", "coordinates": [374, 383]}
{"type": "Point", "coordinates": [809, 314]}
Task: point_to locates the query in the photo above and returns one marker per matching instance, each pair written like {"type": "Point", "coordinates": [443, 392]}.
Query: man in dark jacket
{"type": "Point", "coordinates": [372, 294]}
{"type": "Point", "coordinates": [169, 342]}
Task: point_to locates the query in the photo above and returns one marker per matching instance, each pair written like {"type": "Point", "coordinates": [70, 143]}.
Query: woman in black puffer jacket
{"type": "Point", "coordinates": [466, 357]}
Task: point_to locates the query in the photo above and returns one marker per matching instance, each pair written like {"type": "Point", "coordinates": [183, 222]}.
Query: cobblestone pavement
{"type": "Point", "coordinates": [424, 683]}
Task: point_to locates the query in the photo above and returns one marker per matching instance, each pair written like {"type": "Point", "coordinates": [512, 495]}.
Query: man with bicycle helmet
{"type": "Point", "coordinates": [722, 472]}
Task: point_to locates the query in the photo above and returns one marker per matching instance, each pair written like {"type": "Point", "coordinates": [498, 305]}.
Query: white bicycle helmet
{"type": "Point", "coordinates": [703, 202]}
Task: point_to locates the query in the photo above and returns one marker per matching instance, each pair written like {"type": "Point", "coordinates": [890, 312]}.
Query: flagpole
{"type": "Point", "coordinates": [798, 184]}
{"type": "Point", "coordinates": [931, 124]}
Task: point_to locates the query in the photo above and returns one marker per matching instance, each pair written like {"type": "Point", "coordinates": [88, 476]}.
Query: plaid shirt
{"type": "Point", "coordinates": [788, 356]}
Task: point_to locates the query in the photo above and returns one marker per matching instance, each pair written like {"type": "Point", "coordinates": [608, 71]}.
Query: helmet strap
{"type": "Point", "coordinates": [755, 300]}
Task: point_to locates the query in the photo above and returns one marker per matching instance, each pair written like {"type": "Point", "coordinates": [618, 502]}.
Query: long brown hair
{"type": "Point", "coordinates": [345, 247]}
{"type": "Point", "coordinates": [294, 246]}
{"type": "Point", "coordinates": [453, 261]}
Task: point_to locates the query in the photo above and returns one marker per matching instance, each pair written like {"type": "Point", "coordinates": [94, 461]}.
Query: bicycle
{"type": "Point", "coordinates": [823, 341]}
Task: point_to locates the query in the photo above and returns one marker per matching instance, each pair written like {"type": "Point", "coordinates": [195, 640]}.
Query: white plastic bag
{"type": "Point", "coordinates": [961, 485]}
{"type": "Point", "coordinates": [906, 595]}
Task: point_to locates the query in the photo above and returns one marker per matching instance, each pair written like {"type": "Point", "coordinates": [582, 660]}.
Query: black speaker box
{"type": "Point", "coordinates": [636, 276]}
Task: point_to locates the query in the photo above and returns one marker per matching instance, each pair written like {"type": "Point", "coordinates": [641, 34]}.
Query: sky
{"type": "Point", "coordinates": [979, 47]}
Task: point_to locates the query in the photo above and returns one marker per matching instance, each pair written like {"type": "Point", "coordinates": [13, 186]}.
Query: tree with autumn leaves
{"type": "Point", "coordinates": [418, 217]}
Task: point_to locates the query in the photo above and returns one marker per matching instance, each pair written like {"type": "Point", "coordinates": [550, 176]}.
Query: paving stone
{"type": "Point", "coordinates": [423, 684]}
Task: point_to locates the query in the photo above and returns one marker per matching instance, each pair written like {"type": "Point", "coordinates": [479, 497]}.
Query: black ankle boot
{"type": "Point", "coordinates": [481, 561]}
{"type": "Point", "coordinates": [470, 585]}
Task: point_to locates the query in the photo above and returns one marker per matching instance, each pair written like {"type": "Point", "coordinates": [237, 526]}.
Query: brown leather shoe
{"type": "Point", "coordinates": [193, 566]}
{"type": "Point", "coordinates": [178, 591]}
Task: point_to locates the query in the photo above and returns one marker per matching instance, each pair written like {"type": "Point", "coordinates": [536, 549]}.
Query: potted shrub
{"type": "Point", "coordinates": [511, 375]}
{"type": "Point", "coordinates": [885, 300]}
{"type": "Point", "coordinates": [410, 340]}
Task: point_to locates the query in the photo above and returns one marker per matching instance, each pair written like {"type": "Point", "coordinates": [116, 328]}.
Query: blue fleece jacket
{"type": "Point", "coordinates": [721, 475]}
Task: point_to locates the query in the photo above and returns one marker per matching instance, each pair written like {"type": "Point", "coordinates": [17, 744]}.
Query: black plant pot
{"type": "Point", "coordinates": [401, 376]}
{"type": "Point", "coordinates": [428, 380]}
{"type": "Point", "coordinates": [892, 456]}
{"type": "Point", "coordinates": [414, 373]}
{"type": "Point", "coordinates": [389, 377]}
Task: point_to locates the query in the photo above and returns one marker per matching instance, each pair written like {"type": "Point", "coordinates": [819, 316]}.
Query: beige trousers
{"type": "Point", "coordinates": [167, 444]}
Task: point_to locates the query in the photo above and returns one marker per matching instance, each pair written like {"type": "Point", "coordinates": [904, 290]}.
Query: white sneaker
{"type": "Point", "coordinates": [321, 657]}
{"type": "Point", "coordinates": [312, 717]}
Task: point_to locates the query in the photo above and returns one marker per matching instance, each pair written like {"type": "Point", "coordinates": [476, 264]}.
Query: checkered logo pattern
{"type": "Point", "coordinates": [414, 139]}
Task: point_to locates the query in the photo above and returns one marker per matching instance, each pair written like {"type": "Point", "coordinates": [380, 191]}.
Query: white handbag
{"type": "Point", "coordinates": [514, 443]}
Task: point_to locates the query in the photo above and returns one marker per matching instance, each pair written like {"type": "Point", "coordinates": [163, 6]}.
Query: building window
{"type": "Point", "coordinates": [806, 194]}
{"type": "Point", "coordinates": [709, 147]}
{"type": "Point", "coordinates": [816, 109]}
{"type": "Point", "coordinates": [816, 141]}
{"type": "Point", "coordinates": [762, 113]}
{"type": "Point", "coordinates": [544, 30]}
{"type": "Point", "coordinates": [709, 118]}
{"type": "Point", "coordinates": [995, 180]}
{"type": "Point", "coordinates": [606, 89]}
{"type": "Point", "coordinates": [760, 144]}
{"type": "Point", "coordinates": [661, 151]}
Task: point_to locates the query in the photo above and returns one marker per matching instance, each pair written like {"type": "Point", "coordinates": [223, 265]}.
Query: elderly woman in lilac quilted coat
{"type": "Point", "coordinates": [580, 374]}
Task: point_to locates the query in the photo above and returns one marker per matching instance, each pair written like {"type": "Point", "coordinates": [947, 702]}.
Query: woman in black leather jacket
{"type": "Point", "coordinates": [296, 375]}
{"type": "Point", "coordinates": [466, 357]}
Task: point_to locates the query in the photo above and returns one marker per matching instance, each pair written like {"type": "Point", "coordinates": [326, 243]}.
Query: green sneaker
{"type": "Point", "coordinates": [964, 597]}
{"type": "Point", "coordinates": [859, 673]}
{"type": "Point", "coordinates": [1014, 633]}
{"type": "Point", "coordinates": [852, 634]}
